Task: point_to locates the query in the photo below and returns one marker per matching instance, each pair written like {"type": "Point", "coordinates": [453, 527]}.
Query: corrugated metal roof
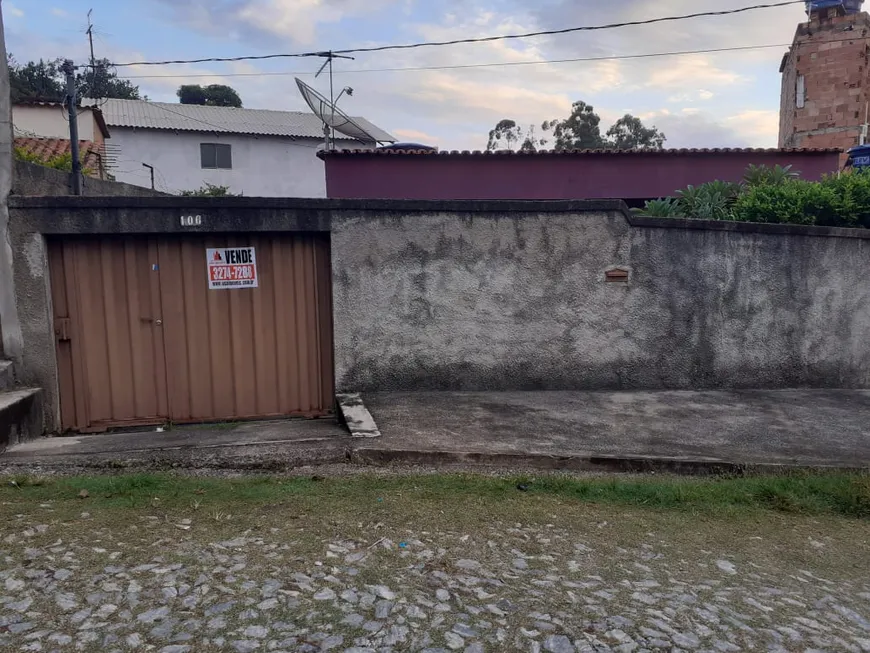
{"type": "Point", "coordinates": [552, 153]}
{"type": "Point", "coordinates": [189, 117]}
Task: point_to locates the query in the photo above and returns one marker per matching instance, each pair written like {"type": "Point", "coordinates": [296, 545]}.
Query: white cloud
{"type": "Point", "coordinates": [14, 11]}
{"type": "Point", "coordinates": [416, 136]}
{"type": "Point", "coordinates": [60, 13]}
{"type": "Point", "coordinates": [692, 96]}
{"type": "Point", "coordinates": [759, 127]}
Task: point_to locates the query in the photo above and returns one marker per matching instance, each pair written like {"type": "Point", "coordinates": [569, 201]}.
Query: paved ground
{"type": "Point", "coordinates": [626, 582]}
{"type": "Point", "coordinates": [805, 427]}
{"type": "Point", "coordinates": [576, 430]}
{"type": "Point", "coordinates": [272, 444]}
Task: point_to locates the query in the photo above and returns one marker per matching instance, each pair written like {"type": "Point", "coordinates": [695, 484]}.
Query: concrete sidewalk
{"type": "Point", "coordinates": [270, 445]}
{"type": "Point", "coordinates": [747, 427]}
{"type": "Point", "coordinates": [634, 431]}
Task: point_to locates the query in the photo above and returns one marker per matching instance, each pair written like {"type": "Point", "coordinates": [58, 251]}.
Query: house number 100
{"type": "Point", "coordinates": [191, 220]}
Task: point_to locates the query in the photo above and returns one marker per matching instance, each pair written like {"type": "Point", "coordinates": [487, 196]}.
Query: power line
{"type": "Point", "coordinates": [569, 30]}
{"type": "Point", "coordinates": [485, 65]}
{"type": "Point", "coordinates": [502, 37]}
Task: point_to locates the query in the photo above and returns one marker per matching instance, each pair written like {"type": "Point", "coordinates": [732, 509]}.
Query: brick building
{"type": "Point", "coordinates": [825, 84]}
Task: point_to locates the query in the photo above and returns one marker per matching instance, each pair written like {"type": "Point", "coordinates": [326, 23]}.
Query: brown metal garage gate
{"type": "Point", "coordinates": [142, 339]}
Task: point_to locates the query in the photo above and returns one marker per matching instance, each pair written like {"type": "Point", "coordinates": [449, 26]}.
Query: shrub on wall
{"type": "Point", "coordinates": [774, 195]}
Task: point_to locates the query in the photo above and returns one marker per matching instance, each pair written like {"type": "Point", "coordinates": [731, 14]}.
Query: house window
{"type": "Point", "coordinates": [800, 92]}
{"type": "Point", "coordinates": [216, 155]}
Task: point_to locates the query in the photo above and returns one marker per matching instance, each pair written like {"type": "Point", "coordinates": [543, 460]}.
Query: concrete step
{"type": "Point", "coordinates": [21, 416]}
{"type": "Point", "coordinates": [7, 378]}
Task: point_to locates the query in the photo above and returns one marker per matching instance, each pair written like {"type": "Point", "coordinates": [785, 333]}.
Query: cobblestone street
{"type": "Point", "coordinates": [590, 579]}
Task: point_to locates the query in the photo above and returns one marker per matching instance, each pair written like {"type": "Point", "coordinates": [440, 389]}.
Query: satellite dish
{"type": "Point", "coordinates": [332, 116]}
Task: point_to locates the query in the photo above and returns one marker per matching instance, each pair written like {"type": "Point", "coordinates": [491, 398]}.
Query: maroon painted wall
{"type": "Point", "coordinates": [626, 176]}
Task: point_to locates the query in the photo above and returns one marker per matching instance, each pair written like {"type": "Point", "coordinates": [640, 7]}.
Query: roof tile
{"type": "Point", "coordinates": [47, 148]}
{"type": "Point", "coordinates": [554, 153]}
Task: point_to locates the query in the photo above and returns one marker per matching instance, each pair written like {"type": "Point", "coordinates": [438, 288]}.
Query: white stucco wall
{"type": "Point", "coordinates": [263, 166]}
{"type": "Point", "coordinates": [50, 122]}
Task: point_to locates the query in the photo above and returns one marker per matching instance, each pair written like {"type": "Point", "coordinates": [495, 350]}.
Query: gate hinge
{"type": "Point", "coordinates": [62, 328]}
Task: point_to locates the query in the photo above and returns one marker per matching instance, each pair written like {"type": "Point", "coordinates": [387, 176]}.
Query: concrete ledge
{"type": "Point", "coordinates": [356, 416]}
{"type": "Point", "coordinates": [318, 204]}
{"type": "Point", "coordinates": [581, 463]}
{"type": "Point", "coordinates": [21, 417]}
{"type": "Point", "coordinates": [747, 227]}
{"type": "Point", "coordinates": [7, 375]}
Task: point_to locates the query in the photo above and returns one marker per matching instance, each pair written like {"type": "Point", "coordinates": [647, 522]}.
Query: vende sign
{"type": "Point", "coordinates": [231, 267]}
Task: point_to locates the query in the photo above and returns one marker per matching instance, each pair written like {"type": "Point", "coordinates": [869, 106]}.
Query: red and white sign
{"type": "Point", "coordinates": [231, 267]}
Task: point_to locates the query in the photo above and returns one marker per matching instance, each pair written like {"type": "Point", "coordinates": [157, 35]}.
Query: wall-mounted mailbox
{"type": "Point", "coordinates": [616, 275]}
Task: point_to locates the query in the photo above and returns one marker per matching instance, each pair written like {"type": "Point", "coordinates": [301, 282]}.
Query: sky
{"type": "Point", "coordinates": [727, 99]}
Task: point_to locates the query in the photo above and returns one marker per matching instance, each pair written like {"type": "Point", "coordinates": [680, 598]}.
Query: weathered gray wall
{"type": "Point", "coordinates": [11, 330]}
{"type": "Point", "coordinates": [517, 300]}
{"type": "Point", "coordinates": [511, 295]}
{"type": "Point", "coordinates": [30, 179]}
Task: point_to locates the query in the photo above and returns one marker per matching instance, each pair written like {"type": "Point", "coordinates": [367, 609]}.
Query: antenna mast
{"type": "Point", "coordinates": [328, 130]}
{"type": "Point", "coordinates": [90, 33]}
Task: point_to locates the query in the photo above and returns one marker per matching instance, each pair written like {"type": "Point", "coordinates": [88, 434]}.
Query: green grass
{"type": "Point", "coordinates": [846, 495]}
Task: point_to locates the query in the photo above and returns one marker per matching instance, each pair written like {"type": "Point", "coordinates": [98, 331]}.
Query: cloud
{"type": "Point", "coordinates": [275, 21]}
{"type": "Point", "coordinates": [60, 13]}
{"type": "Point", "coordinates": [416, 136]}
{"type": "Point", "coordinates": [759, 127]}
{"type": "Point", "coordinates": [692, 96]}
{"type": "Point", "coordinates": [692, 127]}
{"type": "Point", "coordinates": [456, 108]}
{"type": "Point", "coordinates": [14, 11]}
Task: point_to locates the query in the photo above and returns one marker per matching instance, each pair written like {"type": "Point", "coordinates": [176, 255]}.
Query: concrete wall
{"type": "Point", "coordinates": [517, 300]}
{"type": "Point", "coordinates": [9, 323]}
{"type": "Point", "coordinates": [263, 166]}
{"type": "Point", "coordinates": [512, 295]}
{"type": "Point", "coordinates": [547, 176]}
{"type": "Point", "coordinates": [33, 179]}
{"type": "Point", "coordinates": [52, 122]}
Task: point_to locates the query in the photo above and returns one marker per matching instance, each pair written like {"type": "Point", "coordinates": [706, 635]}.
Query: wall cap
{"type": "Point", "coordinates": [424, 206]}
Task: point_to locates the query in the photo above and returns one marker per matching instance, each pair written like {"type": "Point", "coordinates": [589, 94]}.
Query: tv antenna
{"type": "Point", "coordinates": [333, 118]}
{"type": "Point", "coordinates": [90, 33]}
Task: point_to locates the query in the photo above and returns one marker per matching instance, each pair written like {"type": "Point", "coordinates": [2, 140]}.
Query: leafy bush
{"type": "Point", "coordinates": [664, 208]}
{"type": "Point", "coordinates": [774, 195]}
{"type": "Point", "coordinates": [61, 162]}
{"type": "Point", "coordinates": [758, 175]}
{"type": "Point", "coordinates": [210, 190]}
{"type": "Point", "coordinates": [710, 201]}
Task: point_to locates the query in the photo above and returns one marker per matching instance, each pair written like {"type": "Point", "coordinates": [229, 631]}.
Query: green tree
{"type": "Point", "coordinates": [35, 80]}
{"type": "Point", "coordinates": [101, 81]}
{"type": "Point", "coordinates": [191, 94]}
{"type": "Point", "coordinates": [579, 131]}
{"type": "Point", "coordinates": [507, 135]}
{"type": "Point", "coordinates": [214, 95]}
{"type": "Point", "coordinates": [504, 136]}
{"type": "Point", "coordinates": [629, 133]}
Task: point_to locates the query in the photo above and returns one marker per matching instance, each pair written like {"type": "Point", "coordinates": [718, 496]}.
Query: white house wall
{"type": "Point", "coordinates": [263, 166]}
{"type": "Point", "coordinates": [50, 122]}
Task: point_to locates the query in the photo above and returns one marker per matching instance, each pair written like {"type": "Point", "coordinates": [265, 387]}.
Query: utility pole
{"type": "Point", "coordinates": [70, 70]}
